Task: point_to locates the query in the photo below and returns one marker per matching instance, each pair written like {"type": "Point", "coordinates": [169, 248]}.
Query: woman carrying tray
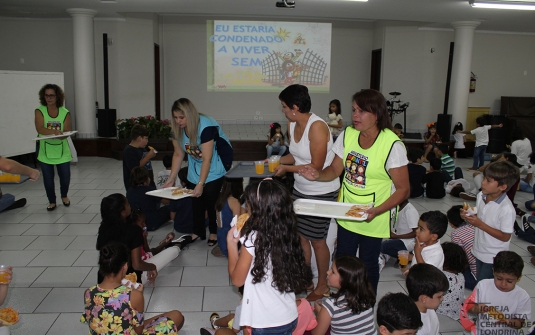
{"type": "Point", "coordinates": [374, 162]}
{"type": "Point", "coordinates": [51, 118]}
{"type": "Point", "coordinates": [310, 143]}
{"type": "Point", "coordinates": [209, 158]}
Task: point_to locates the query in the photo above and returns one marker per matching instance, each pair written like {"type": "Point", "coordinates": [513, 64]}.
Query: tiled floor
{"type": "Point", "coordinates": [54, 258]}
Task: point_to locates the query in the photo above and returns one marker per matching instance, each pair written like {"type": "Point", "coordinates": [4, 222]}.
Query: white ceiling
{"type": "Point", "coordinates": [426, 13]}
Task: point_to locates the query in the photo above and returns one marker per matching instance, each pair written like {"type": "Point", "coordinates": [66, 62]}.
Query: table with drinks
{"type": "Point", "coordinates": [256, 169]}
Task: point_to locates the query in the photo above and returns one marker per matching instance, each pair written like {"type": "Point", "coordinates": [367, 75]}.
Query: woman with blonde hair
{"type": "Point", "coordinates": [209, 158]}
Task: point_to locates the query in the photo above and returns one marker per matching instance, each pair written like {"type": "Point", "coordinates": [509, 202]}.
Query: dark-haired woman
{"type": "Point", "coordinates": [209, 158]}
{"type": "Point", "coordinates": [310, 143]}
{"type": "Point", "coordinates": [51, 118]}
{"type": "Point", "coordinates": [111, 308]}
{"type": "Point", "coordinates": [116, 227]}
{"type": "Point", "coordinates": [374, 162]}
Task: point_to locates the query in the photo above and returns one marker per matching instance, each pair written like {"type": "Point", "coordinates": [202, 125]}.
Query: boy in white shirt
{"type": "Point", "coordinates": [163, 175]}
{"type": "Point", "coordinates": [501, 306]}
{"type": "Point", "coordinates": [426, 286]}
{"type": "Point", "coordinates": [431, 227]}
{"type": "Point", "coordinates": [402, 235]}
{"type": "Point", "coordinates": [482, 140]}
{"type": "Point", "coordinates": [495, 217]}
{"type": "Point", "coordinates": [397, 314]}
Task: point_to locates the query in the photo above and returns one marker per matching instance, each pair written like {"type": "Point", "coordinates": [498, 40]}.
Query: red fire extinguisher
{"type": "Point", "coordinates": [473, 78]}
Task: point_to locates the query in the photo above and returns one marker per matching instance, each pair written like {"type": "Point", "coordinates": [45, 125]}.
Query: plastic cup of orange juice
{"type": "Point", "coordinates": [4, 279]}
{"type": "Point", "coordinates": [259, 167]}
{"type": "Point", "coordinates": [403, 256]}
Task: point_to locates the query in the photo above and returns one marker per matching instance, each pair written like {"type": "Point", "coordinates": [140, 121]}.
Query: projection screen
{"type": "Point", "coordinates": [258, 56]}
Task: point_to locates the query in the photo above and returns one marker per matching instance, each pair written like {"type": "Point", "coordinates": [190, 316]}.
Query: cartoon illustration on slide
{"type": "Point", "coordinates": [285, 69]}
{"type": "Point", "coordinates": [299, 40]}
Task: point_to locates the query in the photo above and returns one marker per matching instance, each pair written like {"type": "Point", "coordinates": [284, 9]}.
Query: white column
{"type": "Point", "coordinates": [84, 71]}
{"type": "Point", "coordinates": [460, 71]}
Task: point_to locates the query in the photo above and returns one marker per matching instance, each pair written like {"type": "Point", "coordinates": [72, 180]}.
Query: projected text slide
{"type": "Point", "coordinates": [250, 56]}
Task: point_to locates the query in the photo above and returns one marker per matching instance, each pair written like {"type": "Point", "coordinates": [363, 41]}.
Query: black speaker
{"type": "Point", "coordinates": [444, 127]}
{"type": "Point", "coordinates": [497, 136]}
{"type": "Point", "coordinates": [106, 122]}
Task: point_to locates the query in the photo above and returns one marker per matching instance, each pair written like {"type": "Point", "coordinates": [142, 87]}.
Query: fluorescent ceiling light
{"type": "Point", "coordinates": [519, 5]}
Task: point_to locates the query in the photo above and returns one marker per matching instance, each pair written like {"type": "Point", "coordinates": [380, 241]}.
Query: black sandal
{"type": "Point", "coordinates": [49, 208]}
{"type": "Point", "coordinates": [66, 204]}
{"type": "Point", "coordinates": [211, 243]}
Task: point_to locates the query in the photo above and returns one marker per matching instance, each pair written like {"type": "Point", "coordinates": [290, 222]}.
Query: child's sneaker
{"type": "Point", "coordinates": [525, 222]}
{"type": "Point", "coordinates": [382, 261]}
{"type": "Point", "coordinates": [213, 318]}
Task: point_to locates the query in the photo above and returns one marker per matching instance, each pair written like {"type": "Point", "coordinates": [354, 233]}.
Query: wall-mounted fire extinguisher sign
{"type": "Point", "coordinates": [473, 78]}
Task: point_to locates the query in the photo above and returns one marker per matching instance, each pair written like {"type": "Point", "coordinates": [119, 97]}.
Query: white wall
{"type": "Point", "coordinates": [410, 68]}
{"type": "Point", "coordinates": [499, 60]}
{"type": "Point", "coordinates": [45, 45]}
{"type": "Point", "coordinates": [184, 55]}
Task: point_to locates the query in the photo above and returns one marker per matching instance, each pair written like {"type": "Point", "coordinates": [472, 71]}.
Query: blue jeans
{"type": "Point", "coordinates": [6, 200]}
{"type": "Point", "coordinates": [280, 330]}
{"type": "Point", "coordinates": [64, 173]}
{"type": "Point", "coordinates": [525, 187]}
{"type": "Point", "coordinates": [370, 248]}
{"type": "Point", "coordinates": [484, 270]}
{"type": "Point", "coordinates": [469, 279]}
{"type": "Point", "coordinates": [391, 247]}
{"type": "Point", "coordinates": [275, 150]}
{"type": "Point", "coordinates": [222, 238]}
{"type": "Point", "coordinates": [528, 235]}
{"type": "Point", "coordinates": [479, 156]}
{"type": "Point", "coordinates": [183, 221]}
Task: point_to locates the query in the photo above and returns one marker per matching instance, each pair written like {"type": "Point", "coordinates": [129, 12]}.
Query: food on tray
{"type": "Point", "coordinates": [241, 221]}
{"type": "Point", "coordinates": [132, 277]}
{"type": "Point", "coordinates": [181, 191]}
{"type": "Point", "coordinates": [357, 211]}
{"type": "Point", "coordinates": [9, 316]}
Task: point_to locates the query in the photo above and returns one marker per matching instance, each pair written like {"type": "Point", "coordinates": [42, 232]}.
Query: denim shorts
{"type": "Point", "coordinates": [280, 330]}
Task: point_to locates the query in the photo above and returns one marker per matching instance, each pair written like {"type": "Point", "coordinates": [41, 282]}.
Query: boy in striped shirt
{"type": "Point", "coordinates": [448, 165]}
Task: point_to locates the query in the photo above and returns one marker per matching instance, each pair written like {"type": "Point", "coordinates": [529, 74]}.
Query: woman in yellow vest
{"type": "Point", "coordinates": [51, 118]}
{"type": "Point", "coordinates": [374, 162]}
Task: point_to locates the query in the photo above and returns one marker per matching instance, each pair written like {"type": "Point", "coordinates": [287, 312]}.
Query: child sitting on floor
{"type": "Point", "coordinates": [397, 314]}
{"type": "Point", "coordinates": [426, 286]}
{"type": "Point", "coordinates": [402, 238]}
{"type": "Point", "coordinates": [455, 262]}
{"type": "Point", "coordinates": [503, 307]}
{"type": "Point", "coordinates": [434, 180]}
{"type": "Point", "coordinates": [463, 235]}
{"type": "Point", "coordinates": [431, 227]}
{"type": "Point", "coordinates": [350, 309]}
{"type": "Point", "coordinates": [416, 171]}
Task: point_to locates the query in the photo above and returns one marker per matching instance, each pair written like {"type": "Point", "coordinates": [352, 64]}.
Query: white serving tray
{"type": "Point", "coordinates": [166, 193]}
{"type": "Point", "coordinates": [326, 209]}
{"type": "Point", "coordinates": [47, 137]}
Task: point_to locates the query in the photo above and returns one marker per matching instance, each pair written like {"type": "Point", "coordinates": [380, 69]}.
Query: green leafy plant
{"type": "Point", "coordinates": [158, 129]}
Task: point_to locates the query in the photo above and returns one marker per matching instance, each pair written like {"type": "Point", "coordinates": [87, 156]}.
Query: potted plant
{"type": "Point", "coordinates": [158, 129]}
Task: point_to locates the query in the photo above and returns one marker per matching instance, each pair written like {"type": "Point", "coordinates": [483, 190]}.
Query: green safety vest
{"type": "Point", "coordinates": [54, 151]}
{"type": "Point", "coordinates": [366, 180]}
